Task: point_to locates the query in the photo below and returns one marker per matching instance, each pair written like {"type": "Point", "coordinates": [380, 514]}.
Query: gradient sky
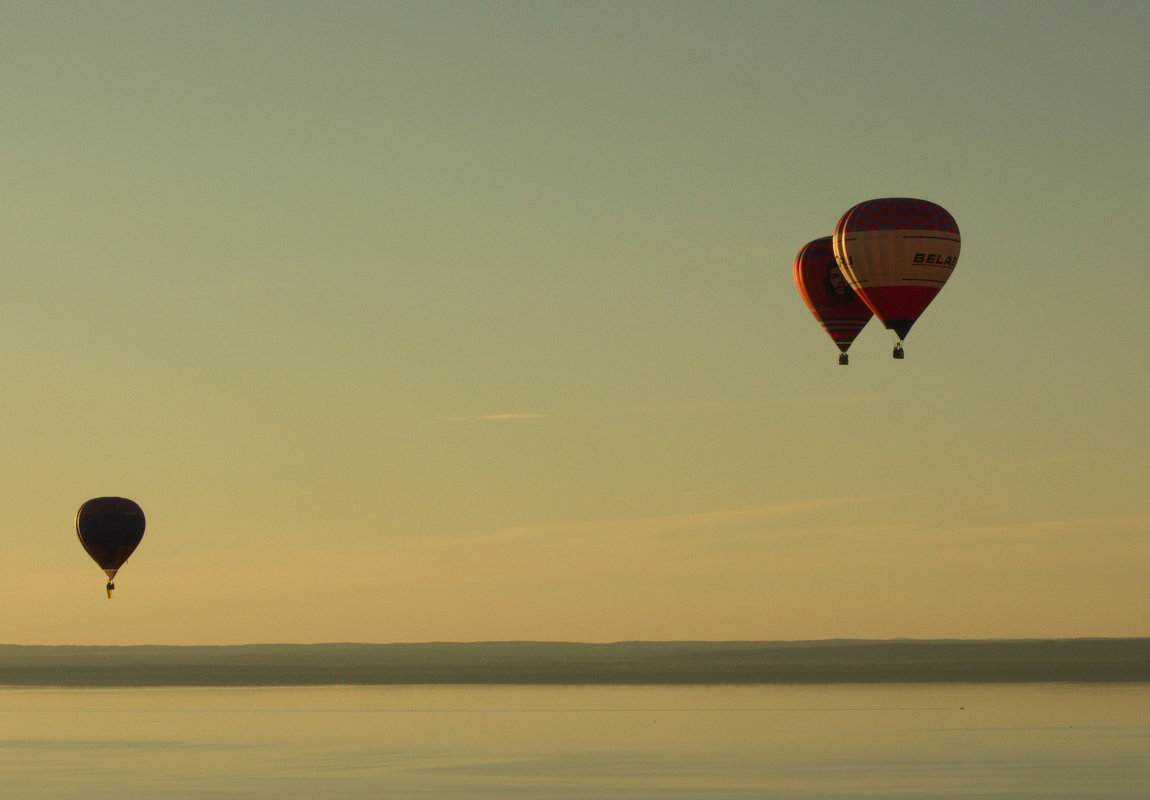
{"type": "Point", "coordinates": [468, 321]}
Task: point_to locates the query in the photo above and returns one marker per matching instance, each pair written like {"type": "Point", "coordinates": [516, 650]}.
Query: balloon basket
{"type": "Point", "coordinates": [110, 587]}
{"type": "Point", "coordinates": [843, 359]}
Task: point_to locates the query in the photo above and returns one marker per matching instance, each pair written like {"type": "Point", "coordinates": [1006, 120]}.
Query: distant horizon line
{"type": "Point", "coordinates": [619, 663]}
{"type": "Point", "coordinates": [826, 640]}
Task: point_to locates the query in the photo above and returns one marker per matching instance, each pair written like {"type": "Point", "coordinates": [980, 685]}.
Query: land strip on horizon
{"type": "Point", "coordinates": [623, 663]}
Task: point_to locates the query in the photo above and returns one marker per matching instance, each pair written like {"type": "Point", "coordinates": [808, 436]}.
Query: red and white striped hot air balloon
{"type": "Point", "coordinates": [826, 293]}
{"type": "Point", "coordinates": [896, 253]}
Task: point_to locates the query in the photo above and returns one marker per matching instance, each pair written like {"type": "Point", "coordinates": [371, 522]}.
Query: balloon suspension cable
{"type": "Point", "coordinates": [110, 587]}
{"type": "Point", "coordinates": [898, 351]}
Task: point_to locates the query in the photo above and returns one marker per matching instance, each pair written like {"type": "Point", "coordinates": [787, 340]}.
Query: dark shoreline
{"type": "Point", "coordinates": [556, 663]}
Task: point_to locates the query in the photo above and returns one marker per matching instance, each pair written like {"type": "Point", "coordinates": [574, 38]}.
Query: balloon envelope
{"type": "Point", "coordinates": [896, 253]}
{"type": "Point", "coordinates": [110, 528]}
{"type": "Point", "coordinates": [825, 291]}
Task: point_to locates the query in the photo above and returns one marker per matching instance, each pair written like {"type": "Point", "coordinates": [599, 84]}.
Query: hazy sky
{"type": "Point", "coordinates": [423, 321]}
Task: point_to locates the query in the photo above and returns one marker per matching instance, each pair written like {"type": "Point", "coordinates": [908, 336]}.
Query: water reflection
{"type": "Point", "coordinates": [922, 741]}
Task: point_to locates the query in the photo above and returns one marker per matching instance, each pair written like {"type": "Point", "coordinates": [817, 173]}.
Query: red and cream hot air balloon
{"type": "Point", "coordinates": [896, 253]}
{"type": "Point", "coordinates": [826, 293]}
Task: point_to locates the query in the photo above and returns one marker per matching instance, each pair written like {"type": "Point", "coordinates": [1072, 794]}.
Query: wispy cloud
{"type": "Point", "coordinates": [1041, 462]}
{"type": "Point", "coordinates": [494, 417]}
{"type": "Point", "coordinates": [702, 522]}
{"type": "Point", "coordinates": [1043, 532]}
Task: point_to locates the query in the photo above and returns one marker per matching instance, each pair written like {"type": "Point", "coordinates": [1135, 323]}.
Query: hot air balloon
{"type": "Point", "coordinates": [896, 253]}
{"type": "Point", "coordinates": [826, 293]}
{"type": "Point", "coordinates": [110, 528]}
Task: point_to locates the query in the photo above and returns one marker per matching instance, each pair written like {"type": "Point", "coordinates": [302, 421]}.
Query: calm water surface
{"type": "Point", "coordinates": [921, 741]}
